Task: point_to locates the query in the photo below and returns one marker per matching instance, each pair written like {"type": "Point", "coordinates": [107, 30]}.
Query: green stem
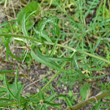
{"type": "Point", "coordinates": [50, 80]}
{"type": "Point", "coordinates": [59, 45]}
{"type": "Point", "coordinates": [54, 76]}
{"type": "Point", "coordinates": [94, 56]}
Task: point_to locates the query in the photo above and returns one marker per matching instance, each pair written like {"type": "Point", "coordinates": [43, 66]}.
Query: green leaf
{"type": "Point", "coordinates": [78, 70]}
{"type": "Point", "coordinates": [83, 90]}
{"type": "Point", "coordinates": [44, 60]}
{"type": "Point", "coordinates": [6, 22]}
{"type": "Point", "coordinates": [44, 107]}
{"type": "Point", "coordinates": [41, 26]}
{"type": "Point", "coordinates": [50, 98]}
{"type": "Point", "coordinates": [98, 42]}
{"type": "Point", "coordinates": [29, 25]}
{"type": "Point", "coordinates": [70, 93]}
{"type": "Point", "coordinates": [25, 14]}
{"type": "Point", "coordinates": [26, 11]}
{"type": "Point", "coordinates": [16, 77]}
{"type": "Point", "coordinates": [68, 102]}
{"type": "Point", "coordinates": [7, 87]}
{"type": "Point", "coordinates": [64, 97]}
{"type": "Point", "coordinates": [18, 95]}
{"type": "Point", "coordinates": [41, 33]}
{"type": "Point", "coordinates": [15, 86]}
{"type": "Point", "coordinates": [60, 59]}
{"type": "Point", "coordinates": [52, 104]}
{"type": "Point", "coordinates": [17, 91]}
{"type": "Point", "coordinates": [6, 71]}
{"type": "Point", "coordinates": [54, 47]}
{"type": "Point", "coordinates": [8, 52]}
{"type": "Point", "coordinates": [24, 26]}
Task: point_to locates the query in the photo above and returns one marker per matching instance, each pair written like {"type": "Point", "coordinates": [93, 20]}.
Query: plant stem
{"type": "Point", "coordinates": [54, 76]}
{"type": "Point", "coordinates": [92, 99]}
{"type": "Point", "coordinates": [94, 56]}
{"type": "Point", "coordinates": [59, 45]}
{"type": "Point", "coordinates": [50, 80]}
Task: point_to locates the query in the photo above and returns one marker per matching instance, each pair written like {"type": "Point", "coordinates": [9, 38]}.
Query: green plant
{"type": "Point", "coordinates": [98, 106]}
{"type": "Point", "coordinates": [70, 46]}
{"type": "Point", "coordinates": [12, 92]}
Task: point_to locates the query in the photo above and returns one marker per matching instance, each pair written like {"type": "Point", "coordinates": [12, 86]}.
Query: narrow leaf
{"type": "Point", "coordinates": [16, 77]}
{"type": "Point", "coordinates": [8, 52]}
{"type": "Point", "coordinates": [31, 7]}
{"type": "Point", "coordinates": [40, 58]}
{"type": "Point", "coordinates": [6, 71]}
{"type": "Point", "coordinates": [7, 87]}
